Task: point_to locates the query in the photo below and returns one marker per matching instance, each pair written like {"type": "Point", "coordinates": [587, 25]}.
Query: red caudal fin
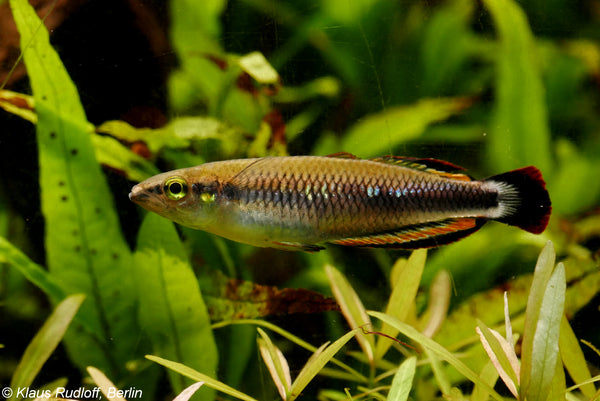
{"type": "Point", "coordinates": [524, 199]}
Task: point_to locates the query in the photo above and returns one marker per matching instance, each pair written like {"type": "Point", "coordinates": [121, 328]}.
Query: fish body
{"type": "Point", "coordinates": [303, 202]}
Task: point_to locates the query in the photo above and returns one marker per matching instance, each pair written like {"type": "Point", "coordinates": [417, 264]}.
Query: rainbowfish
{"type": "Point", "coordinates": [303, 202]}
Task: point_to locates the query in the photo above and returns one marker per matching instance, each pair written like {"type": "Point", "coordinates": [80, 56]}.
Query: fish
{"type": "Point", "coordinates": [302, 203]}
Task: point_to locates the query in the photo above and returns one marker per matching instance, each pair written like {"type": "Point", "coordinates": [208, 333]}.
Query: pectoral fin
{"type": "Point", "coordinates": [296, 246]}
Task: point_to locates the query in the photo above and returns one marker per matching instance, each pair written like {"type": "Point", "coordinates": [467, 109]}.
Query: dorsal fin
{"type": "Point", "coordinates": [435, 166]}
{"type": "Point", "coordinates": [343, 155]}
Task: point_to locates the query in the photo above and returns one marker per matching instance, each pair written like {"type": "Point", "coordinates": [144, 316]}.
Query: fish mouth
{"type": "Point", "coordinates": [138, 194]}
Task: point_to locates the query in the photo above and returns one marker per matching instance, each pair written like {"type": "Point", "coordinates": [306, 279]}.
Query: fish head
{"type": "Point", "coordinates": [183, 196]}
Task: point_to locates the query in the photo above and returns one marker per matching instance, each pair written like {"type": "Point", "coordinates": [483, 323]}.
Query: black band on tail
{"type": "Point", "coordinates": [527, 189]}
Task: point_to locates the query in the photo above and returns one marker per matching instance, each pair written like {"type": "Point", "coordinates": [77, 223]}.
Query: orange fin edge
{"type": "Point", "coordinates": [425, 235]}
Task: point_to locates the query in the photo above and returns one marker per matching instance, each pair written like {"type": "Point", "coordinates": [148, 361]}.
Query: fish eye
{"type": "Point", "coordinates": [176, 188]}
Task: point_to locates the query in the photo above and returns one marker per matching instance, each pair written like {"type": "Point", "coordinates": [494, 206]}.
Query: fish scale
{"type": "Point", "coordinates": [299, 203]}
{"type": "Point", "coordinates": [356, 208]}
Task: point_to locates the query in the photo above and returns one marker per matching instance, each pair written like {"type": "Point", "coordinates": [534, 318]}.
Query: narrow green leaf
{"type": "Point", "coordinates": [45, 341]}
{"type": "Point", "coordinates": [18, 104]}
{"type": "Point", "coordinates": [407, 277]}
{"type": "Point", "coordinates": [316, 362]}
{"type": "Point", "coordinates": [356, 376]}
{"type": "Point", "coordinates": [276, 363]}
{"type": "Point", "coordinates": [502, 356]}
{"type": "Point", "coordinates": [573, 358]}
{"type": "Point", "coordinates": [35, 273]}
{"type": "Point", "coordinates": [85, 248]}
{"type": "Point", "coordinates": [402, 381]}
{"type": "Point", "coordinates": [106, 386]}
{"type": "Point", "coordinates": [171, 308]}
{"type": "Point", "coordinates": [378, 133]}
{"type": "Point", "coordinates": [197, 376]}
{"type": "Point", "coordinates": [440, 293]}
{"type": "Point", "coordinates": [440, 375]}
{"type": "Point", "coordinates": [186, 394]}
{"type": "Point", "coordinates": [437, 349]}
{"type": "Point", "coordinates": [489, 375]}
{"type": "Point", "coordinates": [545, 350]}
{"type": "Point", "coordinates": [542, 273]}
{"type": "Point", "coordinates": [519, 133]}
{"type": "Point", "coordinates": [352, 308]}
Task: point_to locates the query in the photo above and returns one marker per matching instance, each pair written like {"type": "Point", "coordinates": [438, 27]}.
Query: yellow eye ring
{"type": "Point", "coordinates": [176, 188]}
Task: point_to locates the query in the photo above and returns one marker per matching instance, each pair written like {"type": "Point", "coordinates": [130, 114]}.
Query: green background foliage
{"type": "Point", "coordinates": [491, 85]}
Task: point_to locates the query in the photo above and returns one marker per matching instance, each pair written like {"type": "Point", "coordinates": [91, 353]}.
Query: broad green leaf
{"type": "Point", "coordinates": [316, 362]}
{"type": "Point", "coordinates": [436, 349]}
{"type": "Point", "coordinates": [545, 352]}
{"type": "Point", "coordinates": [171, 308]}
{"type": "Point", "coordinates": [258, 67]}
{"type": "Point", "coordinates": [558, 386]}
{"type": "Point", "coordinates": [197, 376]}
{"type": "Point", "coordinates": [446, 46]}
{"type": "Point", "coordinates": [573, 358]}
{"type": "Point", "coordinates": [45, 342]}
{"type": "Point", "coordinates": [106, 386]}
{"type": "Point", "coordinates": [207, 77]}
{"type": "Point", "coordinates": [341, 11]}
{"type": "Point", "coordinates": [519, 133]}
{"type": "Point", "coordinates": [380, 133]}
{"type": "Point", "coordinates": [541, 276]}
{"type": "Point", "coordinates": [352, 308]}
{"type": "Point", "coordinates": [575, 175]}
{"type": "Point", "coordinates": [406, 278]}
{"type": "Point", "coordinates": [402, 381]}
{"type": "Point", "coordinates": [115, 155]}
{"type": "Point", "coordinates": [157, 139]}
{"type": "Point", "coordinates": [180, 133]}
{"type": "Point", "coordinates": [85, 249]}
{"type": "Point", "coordinates": [108, 150]}
{"type": "Point", "coordinates": [195, 31]}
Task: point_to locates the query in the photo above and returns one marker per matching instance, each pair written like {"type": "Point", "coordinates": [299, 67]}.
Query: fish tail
{"type": "Point", "coordinates": [523, 199]}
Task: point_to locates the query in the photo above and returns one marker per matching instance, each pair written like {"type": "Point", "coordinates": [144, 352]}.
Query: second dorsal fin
{"type": "Point", "coordinates": [343, 155]}
{"type": "Point", "coordinates": [440, 167]}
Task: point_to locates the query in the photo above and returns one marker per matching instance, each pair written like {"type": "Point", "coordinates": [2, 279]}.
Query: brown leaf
{"type": "Point", "coordinates": [238, 299]}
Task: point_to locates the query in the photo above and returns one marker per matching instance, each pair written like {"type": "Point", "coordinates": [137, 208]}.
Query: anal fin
{"type": "Point", "coordinates": [426, 235]}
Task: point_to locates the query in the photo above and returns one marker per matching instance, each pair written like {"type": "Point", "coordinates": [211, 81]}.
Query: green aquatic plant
{"type": "Point", "coordinates": [150, 294]}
